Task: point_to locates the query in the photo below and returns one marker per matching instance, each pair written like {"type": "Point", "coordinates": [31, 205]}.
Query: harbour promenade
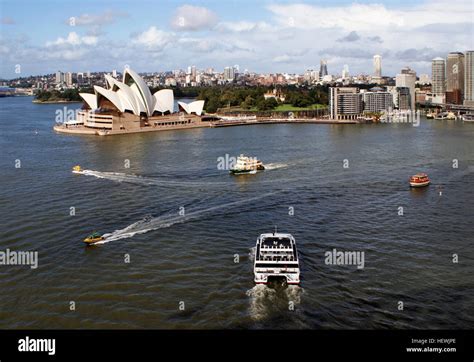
{"type": "Point", "coordinates": [212, 121]}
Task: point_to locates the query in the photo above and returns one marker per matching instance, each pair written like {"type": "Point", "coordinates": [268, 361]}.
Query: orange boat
{"type": "Point", "coordinates": [419, 180]}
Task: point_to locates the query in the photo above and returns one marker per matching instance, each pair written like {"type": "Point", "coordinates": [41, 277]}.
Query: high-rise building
{"type": "Point", "coordinates": [345, 103]}
{"type": "Point", "coordinates": [424, 79]}
{"type": "Point", "coordinates": [345, 72]}
{"type": "Point", "coordinates": [229, 74]}
{"type": "Point", "coordinates": [455, 78]}
{"type": "Point", "coordinates": [323, 68]}
{"type": "Point", "coordinates": [59, 77]}
{"type": "Point", "coordinates": [407, 79]}
{"type": "Point", "coordinates": [438, 76]}
{"type": "Point", "coordinates": [378, 66]}
{"type": "Point", "coordinates": [114, 73]}
{"type": "Point", "coordinates": [376, 101]}
{"type": "Point", "coordinates": [69, 79]}
{"type": "Point", "coordinates": [469, 78]}
{"type": "Point", "coordinates": [403, 98]}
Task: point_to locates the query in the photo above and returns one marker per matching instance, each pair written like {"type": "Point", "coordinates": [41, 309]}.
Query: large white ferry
{"type": "Point", "coordinates": [246, 164]}
{"type": "Point", "coordinates": [276, 258]}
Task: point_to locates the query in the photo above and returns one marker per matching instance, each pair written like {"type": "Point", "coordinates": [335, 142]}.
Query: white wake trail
{"type": "Point", "coordinates": [164, 221]}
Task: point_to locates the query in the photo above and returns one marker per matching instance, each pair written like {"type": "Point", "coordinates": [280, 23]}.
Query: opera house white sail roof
{"type": "Point", "coordinates": [132, 94]}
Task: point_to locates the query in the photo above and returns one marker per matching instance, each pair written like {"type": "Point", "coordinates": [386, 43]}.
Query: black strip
{"type": "Point", "coordinates": [221, 345]}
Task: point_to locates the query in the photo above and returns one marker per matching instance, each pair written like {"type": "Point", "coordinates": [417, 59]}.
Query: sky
{"type": "Point", "coordinates": [41, 37]}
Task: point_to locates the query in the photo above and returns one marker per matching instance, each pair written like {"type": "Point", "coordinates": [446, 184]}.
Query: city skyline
{"type": "Point", "coordinates": [278, 37]}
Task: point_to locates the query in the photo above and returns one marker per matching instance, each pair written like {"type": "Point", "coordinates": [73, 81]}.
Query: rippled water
{"type": "Point", "coordinates": [190, 258]}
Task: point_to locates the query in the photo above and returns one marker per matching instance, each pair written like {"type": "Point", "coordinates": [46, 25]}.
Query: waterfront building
{"type": "Point", "coordinates": [407, 79]}
{"type": "Point", "coordinates": [377, 100]}
{"type": "Point", "coordinates": [455, 78]}
{"type": "Point", "coordinates": [438, 76]}
{"type": "Point", "coordinates": [469, 78]}
{"type": "Point", "coordinates": [323, 68]}
{"type": "Point", "coordinates": [345, 103]}
{"type": "Point", "coordinates": [129, 106]}
{"type": "Point", "coordinates": [403, 98]}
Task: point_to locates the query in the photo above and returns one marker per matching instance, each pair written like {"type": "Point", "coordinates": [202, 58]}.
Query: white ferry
{"type": "Point", "coordinates": [246, 164]}
{"type": "Point", "coordinates": [276, 258]}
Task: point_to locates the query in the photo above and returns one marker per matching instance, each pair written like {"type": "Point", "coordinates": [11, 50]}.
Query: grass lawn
{"type": "Point", "coordinates": [281, 108]}
{"type": "Point", "coordinates": [288, 107]}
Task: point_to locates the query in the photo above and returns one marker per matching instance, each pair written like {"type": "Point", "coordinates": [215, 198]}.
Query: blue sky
{"type": "Point", "coordinates": [262, 36]}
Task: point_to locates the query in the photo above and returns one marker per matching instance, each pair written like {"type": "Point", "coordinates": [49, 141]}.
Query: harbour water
{"type": "Point", "coordinates": [178, 225]}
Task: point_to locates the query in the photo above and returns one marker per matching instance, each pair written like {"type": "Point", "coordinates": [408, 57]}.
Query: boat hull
{"type": "Point", "coordinates": [90, 241]}
{"type": "Point", "coordinates": [419, 184]}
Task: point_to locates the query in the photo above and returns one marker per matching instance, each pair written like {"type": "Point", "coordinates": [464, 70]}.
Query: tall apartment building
{"type": "Point", "coordinates": [438, 76]}
{"type": "Point", "coordinates": [403, 96]}
{"type": "Point", "coordinates": [345, 103]}
{"type": "Point", "coordinates": [323, 68]}
{"type": "Point", "coordinates": [377, 101]}
{"type": "Point", "coordinates": [469, 78]}
{"type": "Point", "coordinates": [407, 79]}
{"type": "Point", "coordinates": [455, 78]}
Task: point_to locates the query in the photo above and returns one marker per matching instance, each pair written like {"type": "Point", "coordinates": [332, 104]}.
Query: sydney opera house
{"type": "Point", "coordinates": [129, 106]}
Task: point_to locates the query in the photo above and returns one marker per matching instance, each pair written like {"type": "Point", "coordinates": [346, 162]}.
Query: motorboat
{"type": "Point", "coordinates": [419, 180]}
{"type": "Point", "coordinates": [247, 165]}
{"type": "Point", "coordinates": [468, 117]}
{"type": "Point", "coordinates": [445, 115]}
{"type": "Point", "coordinates": [93, 238]}
{"type": "Point", "coordinates": [77, 169]}
{"type": "Point", "coordinates": [276, 258]}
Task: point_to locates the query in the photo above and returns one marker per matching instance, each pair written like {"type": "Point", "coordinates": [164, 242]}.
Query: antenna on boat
{"type": "Point", "coordinates": [275, 230]}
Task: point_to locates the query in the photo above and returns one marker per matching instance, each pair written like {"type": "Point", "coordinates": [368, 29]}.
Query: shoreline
{"type": "Point", "coordinates": [81, 130]}
{"type": "Point", "coordinates": [35, 101]}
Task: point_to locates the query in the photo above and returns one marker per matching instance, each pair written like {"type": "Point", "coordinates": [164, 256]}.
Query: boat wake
{"type": "Point", "coordinates": [152, 181]}
{"type": "Point", "coordinates": [264, 300]}
{"type": "Point", "coordinates": [275, 166]}
{"type": "Point", "coordinates": [261, 300]}
{"type": "Point", "coordinates": [150, 223]}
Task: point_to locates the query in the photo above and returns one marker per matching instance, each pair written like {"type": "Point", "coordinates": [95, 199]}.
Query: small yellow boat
{"type": "Point", "coordinates": [77, 169]}
{"type": "Point", "coordinates": [93, 238]}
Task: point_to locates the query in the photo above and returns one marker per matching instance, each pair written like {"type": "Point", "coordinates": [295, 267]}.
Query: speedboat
{"type": "Point", "coordinates": [93, 238]}
{"type": "Point", "coordinates": [430, 115]}
{"type": "Point", "coordinates": [419, 180]}
{"type": "Point", "coordinates": [276, 258]}
{"type": "Point", "coordinates": [247, 165]}
{"type": "Point", "coordinates": [445, 115]}
{"type": "Point", "coordinates": [468, 117]}
{"type": "Point", "coordinates": [77, 169]}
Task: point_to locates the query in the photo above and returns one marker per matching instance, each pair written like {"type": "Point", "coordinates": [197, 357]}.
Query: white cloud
{"type": "Point", "coordinates": [371, 17]}
{"type": "Point", "coordinates": [193, 18]}
{"type": "Point", "coordinates": [107, 17]}
{"type": "Point", "coordinates": [154, 38]}
{"type": "Point", "coordinates": [73, 39]}
{"type": "Point", "coordinates": [245, 26]}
